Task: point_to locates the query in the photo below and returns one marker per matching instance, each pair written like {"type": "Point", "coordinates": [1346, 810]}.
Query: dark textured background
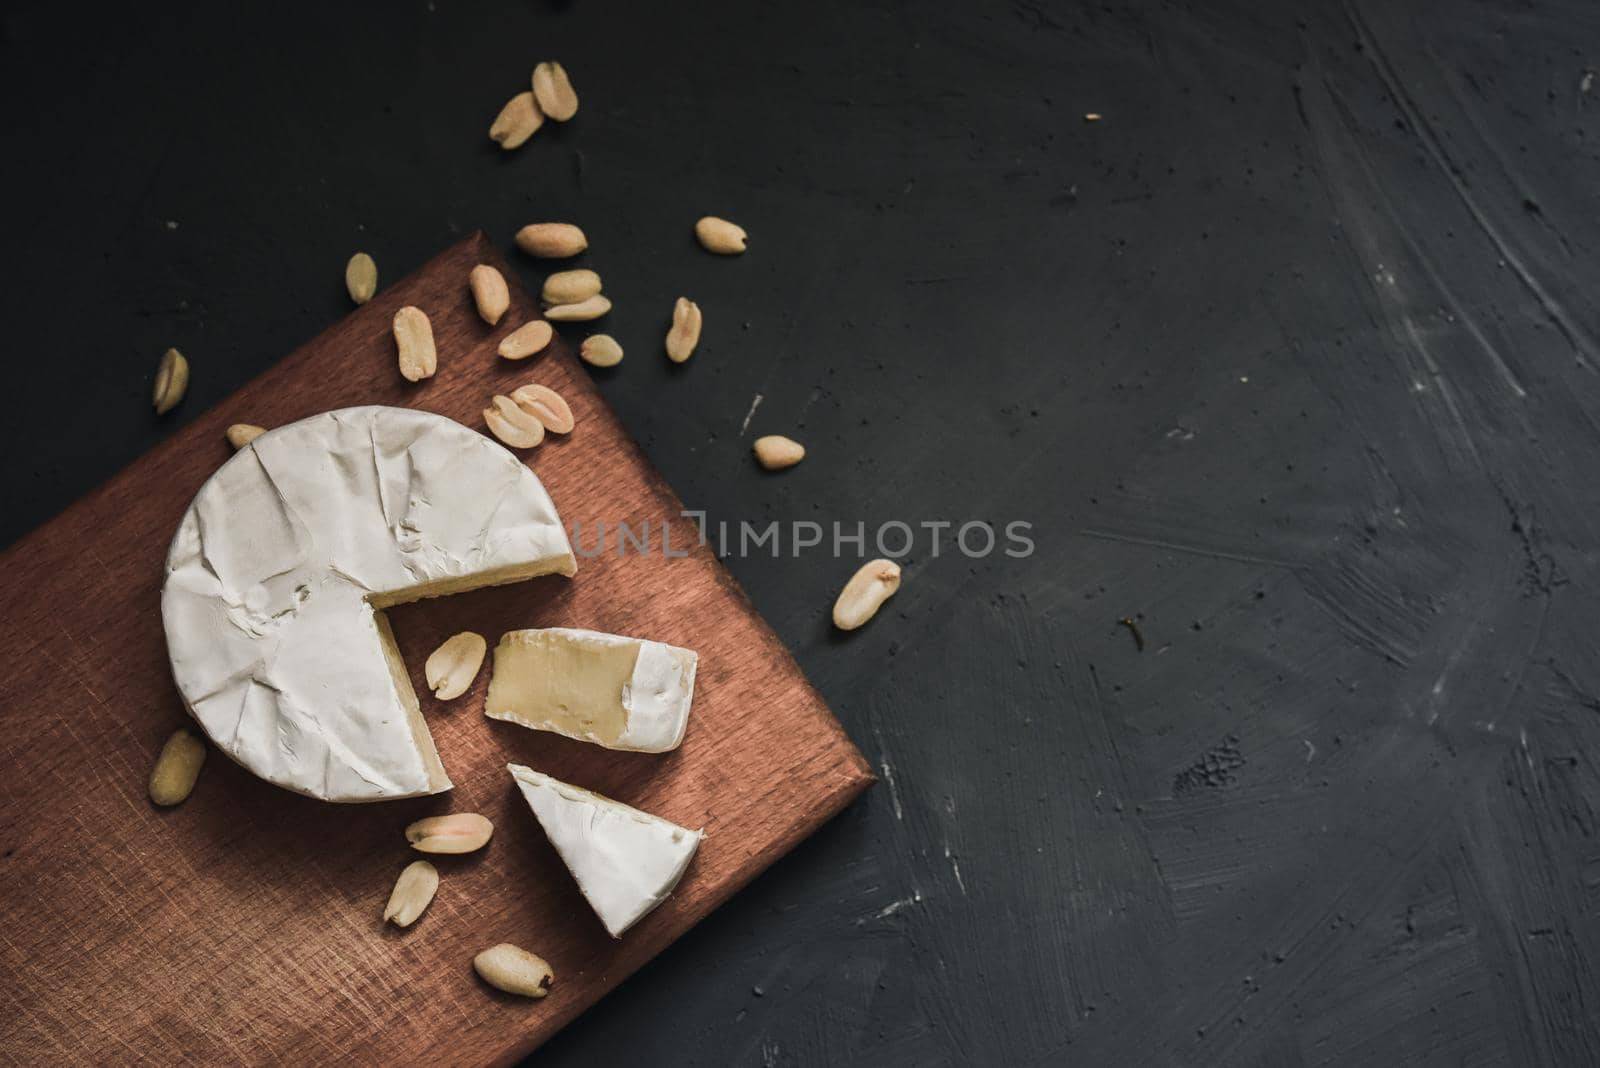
{"type": "Point", "coordinates": [1293, 356]}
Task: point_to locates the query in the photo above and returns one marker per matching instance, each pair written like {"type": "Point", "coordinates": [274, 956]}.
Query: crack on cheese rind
{"type": "Point", "coordinates": [625, 861]}
{"type": "Point", "coordinates": [278, 570]}
{"type": "Point", "coordinates": [621, 693]}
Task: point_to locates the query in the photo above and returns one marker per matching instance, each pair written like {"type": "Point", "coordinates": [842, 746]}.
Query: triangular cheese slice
{"type": "Point", "coordinates": [626, 862]}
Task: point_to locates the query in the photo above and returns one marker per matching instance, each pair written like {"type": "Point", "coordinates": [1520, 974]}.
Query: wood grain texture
{"type": "Point", "coordinates": [244, 925]}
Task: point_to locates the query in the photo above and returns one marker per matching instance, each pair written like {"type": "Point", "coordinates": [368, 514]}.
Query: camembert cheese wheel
{"type": "Point", "coordinates": [277, 577]}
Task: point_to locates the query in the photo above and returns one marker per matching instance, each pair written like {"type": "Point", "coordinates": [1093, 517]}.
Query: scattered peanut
{"type": "Point", "coordinates": [413, 338]}
{"type": "Point", "coordinates": [526, 340]}
{"type": "Point", "coordinates": [172, 381]}
{"type": "Point", "coordinates": [600, 350]}
{"type": "Point", "coordinates": [570, 287]}
{"type": "Point", "coordinates": [545, 405]}
{"type": "Point", "coordinates": [489, 292]}
{"type": "Point", "coordinates": [452, 667]}
{"type": "Point", "coordinates": [553, 90]}
{"type": "Point", "coordinates": [177, 767]}
{"type": "Point", "coordinates": [361, 277]}
{"type": "Point", "coordinates": [413, 892]}
{"type": "Point", "coordinates": [242, 434]}
{"type": "Point", "coordinates": [584, 310]}
{"type": "Point", "coordinates": [514, 426]}
{"type": "Point", "coordinates": [865, 593]}
{"type": "Point", "coordinates": [514, 970]}
{"type": "Point", "coordinates": [519, 120]}
{"type": "Point", "coordinates": [775, 452]}
{"type": "Point", "coordinates": [685, 332]}
{"type": "Point", "coordinates": [459, 832]}
{"type": "Point", "coordinates": [551, 241]}
{"type": "Point", "coordinates": [720, 236]}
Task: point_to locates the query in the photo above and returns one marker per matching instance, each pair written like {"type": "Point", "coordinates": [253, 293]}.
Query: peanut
{"type": "Point", "coordinates": [570, 287]}
{"type": "Point", "coordinates": [512, 424]}
{"type": "Point", "coordinates": [551, 241]}
{"type": "Point", "coordinates": [865, 593]}
{"type": "Point", "coordinates": [459, 832]}
{"type": "Point", "coordinates": [584, 310]}
{"type": "Point", "coordinates": [775, 452]}
{"type": "Point", "coordinates": [545, 405]}
{"type": "Point", "coordinates": [452, 667]}
{"type": "Point", "coordinates": [361, 277]}
{"type": "Point", "coordinates": [172, 381]}
{"type": "Point", "coordinates": [553, 90]}
{"type": "Point", "coordinates": [600, 350]}
{"type": "Point", "coordinates": [685, 332]}
{"type": "Point", "coordinates": [489, 292]}
{"type": "Point", "coordinates": [413, 339]}
{"type": "Point", "coordinates": [242, 434]}
{"type": "Point", "coordinates": [413, 892]}
{"type": "Point", "coordinates": [177, 768]}
{"type": "Point", "coordinates": [514, 970]}
{"type": "Point", "coordinates": [720, 236]}
{"type": "Point", "coordinates": [519, 120]}
{"type": "Point", "coordinates": [526, 340]}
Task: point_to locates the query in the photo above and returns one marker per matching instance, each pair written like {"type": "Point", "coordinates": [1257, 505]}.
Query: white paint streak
{"type": "Point", "coordinates": [955, 866]}
{"type": "Point", "coordinates": [743, 427]}
{"type": "Point", "coordinates": [1422, 129]}
{"type": "Point", "coordinates": [894, 790]}
{"type": "Point", "coordinates": [1311, 750]}
{"type": "Point", "coordinates": [895, 906]}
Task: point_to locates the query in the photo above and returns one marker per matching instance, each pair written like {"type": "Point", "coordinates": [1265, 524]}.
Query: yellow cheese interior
{"type": "Point", "coordinates": [563, 683]}
{"type": "Point", "coordinates": [437, 779]}
{"type": "Point", "coordinates": [556, 565]}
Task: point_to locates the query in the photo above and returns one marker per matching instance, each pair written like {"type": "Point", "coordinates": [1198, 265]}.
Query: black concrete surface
{"type": "Point", "coordinates": [1291, 359]}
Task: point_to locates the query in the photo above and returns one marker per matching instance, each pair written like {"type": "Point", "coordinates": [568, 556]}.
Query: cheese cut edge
{"type": "Point", "coordinates": [438, 779]}
{"type": "Point", "coordinates": [655, 701]}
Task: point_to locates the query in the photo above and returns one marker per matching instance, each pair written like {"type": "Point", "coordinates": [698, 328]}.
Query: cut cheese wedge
{"type": "Point", "coordinates": [279, 570]}
{"type": "Point", "coordinates": [622, 693]}
{"type": "Point", "coordinates": [626, 862]}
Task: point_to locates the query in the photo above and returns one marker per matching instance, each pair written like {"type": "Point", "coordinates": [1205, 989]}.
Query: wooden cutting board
{"type": "Point", "coordinates": [244, 925]}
